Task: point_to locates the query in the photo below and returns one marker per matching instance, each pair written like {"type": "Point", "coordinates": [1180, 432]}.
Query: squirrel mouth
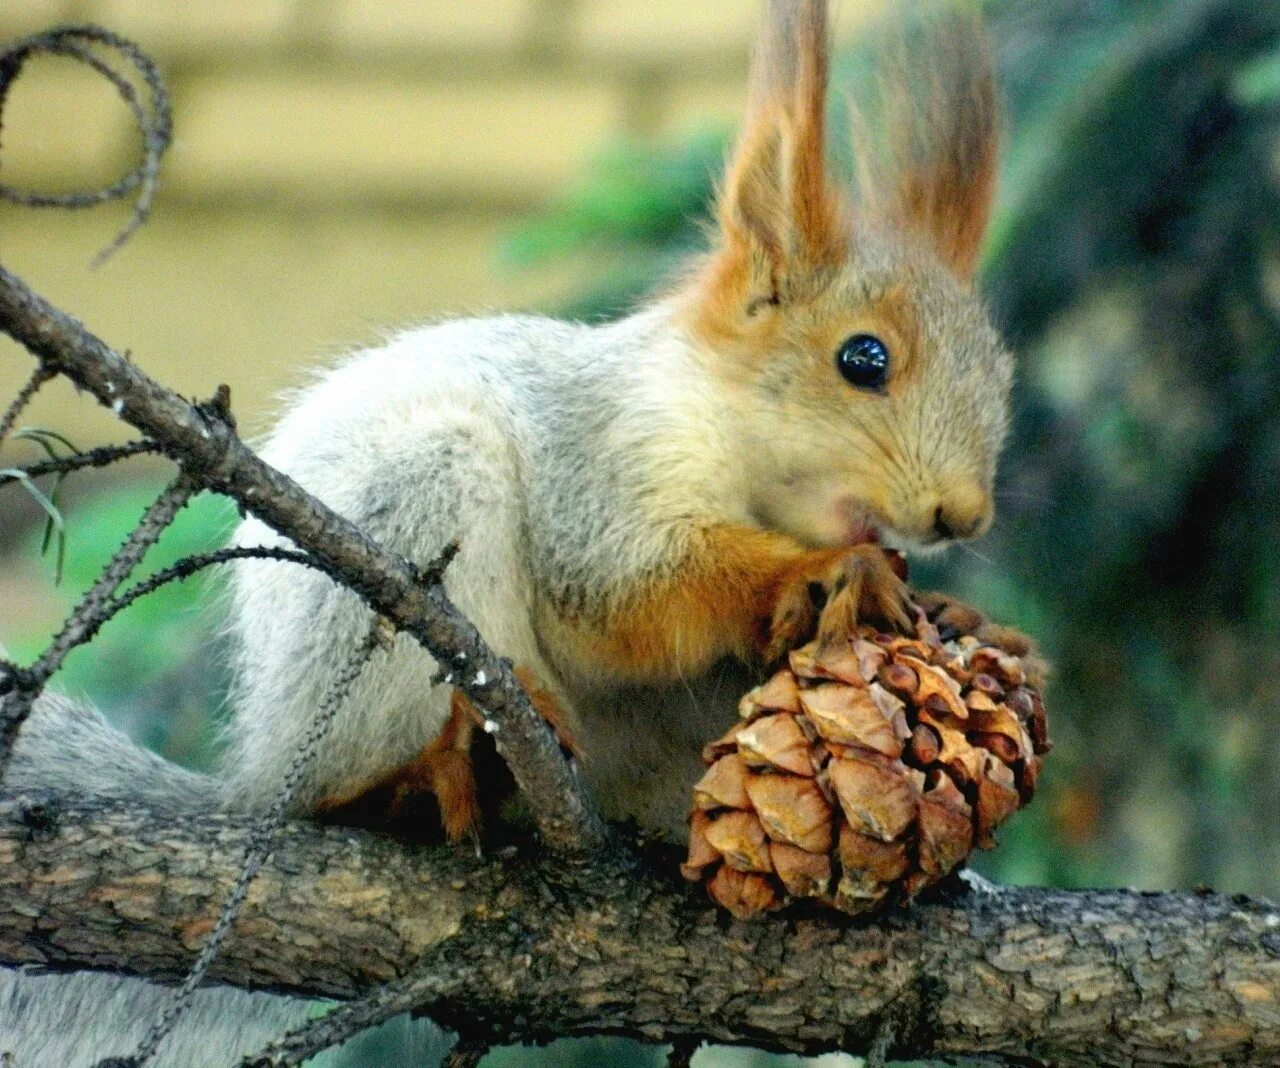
{"type": "Point", "coordinates": [860, 527]}
{"type": "Point", "coordinates": [863, 532]}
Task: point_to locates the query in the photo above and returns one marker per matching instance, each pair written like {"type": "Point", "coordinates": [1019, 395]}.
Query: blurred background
{"type": "Point", "coordinates": [344, 166]}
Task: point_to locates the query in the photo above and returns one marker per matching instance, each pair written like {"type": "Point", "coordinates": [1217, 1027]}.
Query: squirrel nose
{"type": "Point", "coordinates": [963, 515]}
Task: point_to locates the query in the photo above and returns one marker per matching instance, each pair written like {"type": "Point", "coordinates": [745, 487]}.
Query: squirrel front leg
{"type": "Point", "coordinates": [739, 591]}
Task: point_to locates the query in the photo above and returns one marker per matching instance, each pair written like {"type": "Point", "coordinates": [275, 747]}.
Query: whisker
{"type": "Point", "coordinates": [1023, 495]}
{"type": "Point", "coordinates": [974, 552]}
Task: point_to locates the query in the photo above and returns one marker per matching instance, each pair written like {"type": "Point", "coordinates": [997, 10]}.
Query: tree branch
{"type": "Point", "coordinates": [102, 456]}
{"type": "Point", "coordinates": [202, 440]}
{"type": "Point", "coordinates": [528, 949]}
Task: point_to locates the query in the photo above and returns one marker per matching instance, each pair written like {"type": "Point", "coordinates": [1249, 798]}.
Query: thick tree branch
{"type": "Point", "coordinates": [525, 948]}
{"type": "Point", "coordinates": [202, 440]}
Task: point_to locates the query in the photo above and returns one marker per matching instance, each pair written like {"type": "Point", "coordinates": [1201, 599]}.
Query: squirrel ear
{"type": "Point", "coordinates": [776, 212]}
{"type": "Point", "coordinates": [944, 147]}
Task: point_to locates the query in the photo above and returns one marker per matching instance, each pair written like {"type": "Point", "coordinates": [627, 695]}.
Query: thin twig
{"type": "Point", "coordinates": [190, 565]}
{"type": "Point", "coordinates": [345, 1021]}
{"type": "Point", "coordinates": [85, 618]}
{"type": "Point", "coordinates": [17, 690]}
{"type": "Point", "coordinates": [38, 378]}
{"type": "Point", "coordinates": [81, 624]}
{"type": "Point", "coordinates": [102, 456]}
{"type": "Point", "coordinates": [261, 843]}
{"type": "Point", "coordinates": [179, 572]}
{"type": "Point", "coordinates": [154, 121]}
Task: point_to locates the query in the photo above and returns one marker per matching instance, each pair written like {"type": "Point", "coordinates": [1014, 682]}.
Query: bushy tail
{"type": "Point", "coordinates": [69, 747]}
{"type": "Point", "coordinates": [73, 1020]}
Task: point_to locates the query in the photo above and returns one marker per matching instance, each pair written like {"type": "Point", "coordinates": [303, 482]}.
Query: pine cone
{"type": "Point", "coordinates": [866, 770]}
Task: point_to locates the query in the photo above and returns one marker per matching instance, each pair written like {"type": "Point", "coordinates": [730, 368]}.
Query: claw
{"type": "Point", "coordinates": [952, 618]}
{"type": "Point", "coordinates": [1013, 642]}
{"type": "Point", "coordinates": [861, 584]}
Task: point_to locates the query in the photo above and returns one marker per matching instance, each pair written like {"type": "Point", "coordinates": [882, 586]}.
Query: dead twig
{"type": "Point", "coordinates": [258, 848]}
{"type": "Point", "coordinates": [102, 456]}
{"type": "Point", "coordinates": [88, 615]}
{"type": "Point", "coordinates": [38, 378]}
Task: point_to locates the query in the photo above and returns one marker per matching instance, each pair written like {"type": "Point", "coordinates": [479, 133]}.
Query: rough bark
{"type": "Point", "coordinates": [521, 947]}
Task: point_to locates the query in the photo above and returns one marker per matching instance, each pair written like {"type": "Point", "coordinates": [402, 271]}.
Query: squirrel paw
{"type": "Point", "coordinates": [955, 618]}
{"type": "Point", "coordinates": [830, 592]}
{"type": "Point", "coordinates": [450, 777]}
{"type": "Point", "coordinates": [442, 769]}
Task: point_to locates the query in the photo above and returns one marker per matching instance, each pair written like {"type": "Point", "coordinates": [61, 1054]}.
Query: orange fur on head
{"type": "Point", "coordinates": [785, 225]}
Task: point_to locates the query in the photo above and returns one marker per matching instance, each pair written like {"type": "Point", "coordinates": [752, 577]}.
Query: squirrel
{"type": "Point", "coordinates": [641, 501]}
{"type": "Point", "coordinates": [645, 508]}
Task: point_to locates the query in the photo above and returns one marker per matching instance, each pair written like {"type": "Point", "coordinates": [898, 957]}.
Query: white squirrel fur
{"type": "Point", "coordinates": [563, 457]}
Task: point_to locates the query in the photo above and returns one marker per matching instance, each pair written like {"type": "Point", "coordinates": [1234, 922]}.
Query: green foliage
{"type": "Point", "coordinates": [636, 206]}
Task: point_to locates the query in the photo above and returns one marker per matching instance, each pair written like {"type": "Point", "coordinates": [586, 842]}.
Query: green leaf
{"type": "Point", "coordinates": [54, 521]}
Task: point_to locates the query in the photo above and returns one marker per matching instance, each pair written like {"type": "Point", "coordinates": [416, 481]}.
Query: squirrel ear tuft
{"type": "Point", "coordinates": [940, 177]}
{"type": "Point", "coordinates": [776, 211]}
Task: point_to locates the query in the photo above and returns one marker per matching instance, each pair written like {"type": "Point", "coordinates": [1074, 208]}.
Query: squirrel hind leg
{"type": "Point", "coordinates": [442, 772]}
{"type": "Point", "coordinates": [443, 769]}
{"type": "Point", "coordinates": [549, 708]}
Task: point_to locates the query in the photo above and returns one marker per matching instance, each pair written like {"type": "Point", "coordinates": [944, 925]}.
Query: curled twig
{"type": "Point", "coordinates": [153, 118]}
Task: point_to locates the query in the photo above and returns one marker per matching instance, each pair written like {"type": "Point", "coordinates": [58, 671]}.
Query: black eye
{"type": "Point", "coordinates": [864, 362]}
